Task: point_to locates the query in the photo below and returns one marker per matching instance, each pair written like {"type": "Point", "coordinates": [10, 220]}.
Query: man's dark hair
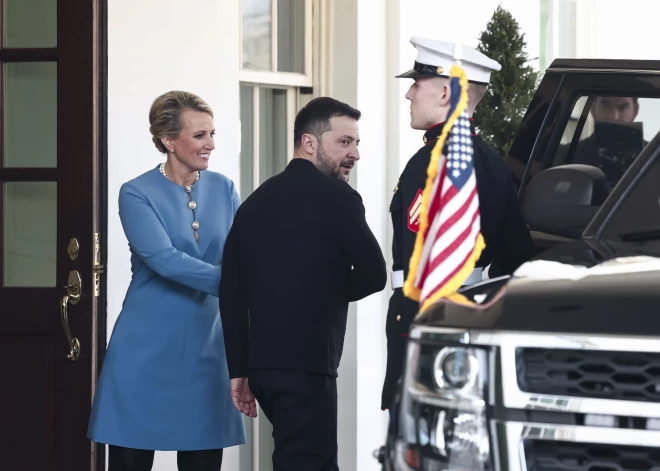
{"type": "Point", "coordinates": [315, 116]}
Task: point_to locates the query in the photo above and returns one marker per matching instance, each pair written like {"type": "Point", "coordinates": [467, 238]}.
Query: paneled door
{"type": "Point", "coordinates": [50, 118]}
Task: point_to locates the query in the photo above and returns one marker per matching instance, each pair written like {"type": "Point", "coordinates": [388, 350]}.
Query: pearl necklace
{"type": "Point", "coordinates": [191, 204]}
{"type": "Point", "coordinates": [161, 167]}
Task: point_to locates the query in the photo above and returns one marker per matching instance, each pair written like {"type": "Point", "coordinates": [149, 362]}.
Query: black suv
{"type": "Point", "coordinates": [557, 367]}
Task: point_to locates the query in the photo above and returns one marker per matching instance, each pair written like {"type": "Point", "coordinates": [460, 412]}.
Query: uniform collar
{"type": "Point", "coordinates": [434, 131]}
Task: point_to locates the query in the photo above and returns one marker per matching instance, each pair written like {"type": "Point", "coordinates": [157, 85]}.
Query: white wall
{"type": "Point", "coordinates": [372, 80]}
{"type": "Point", "coordinates": [343, 86]}
{"type": "Point", "coordinates": [606, 31]}
{"type": "Point", "coordinates": [360, 77]}
{"type": "Point", "coordinates": [624, 32]}
{"type": "Point", "coordinates": [155, 46]}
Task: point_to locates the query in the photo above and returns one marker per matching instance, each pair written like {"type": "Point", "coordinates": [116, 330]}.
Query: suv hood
{"type": "Point", "coordinates": [602, 302]}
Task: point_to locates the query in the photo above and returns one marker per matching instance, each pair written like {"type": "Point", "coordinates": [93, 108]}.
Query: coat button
{"type": "Point", "coordinates": [398, 318]}
{"type": "Point", "coordinates": [192, 205]}
{"type": "Point", "coordinates": [195, 225]}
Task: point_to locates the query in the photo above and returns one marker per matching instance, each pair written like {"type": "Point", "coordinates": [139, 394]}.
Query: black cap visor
{"type": "Point", "coordinates": [424, 70]}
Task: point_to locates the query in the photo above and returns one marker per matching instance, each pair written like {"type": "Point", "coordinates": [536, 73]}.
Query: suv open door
{"type": "Point", "coordinates": [595, 112]}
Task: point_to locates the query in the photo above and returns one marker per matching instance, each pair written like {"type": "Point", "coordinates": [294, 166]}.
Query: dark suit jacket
{"type": "Point", "coordinates": [298, 252]}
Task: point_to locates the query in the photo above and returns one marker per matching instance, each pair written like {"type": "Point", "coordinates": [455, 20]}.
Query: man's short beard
{"type": "Point", "coordinates": [325, 165]}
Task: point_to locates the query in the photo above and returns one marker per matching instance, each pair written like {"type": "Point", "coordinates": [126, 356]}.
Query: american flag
{"type": "Point", "coordinates": [449, 241]}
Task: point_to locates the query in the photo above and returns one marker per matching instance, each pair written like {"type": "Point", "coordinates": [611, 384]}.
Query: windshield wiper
{"type": "Point", "coordinates": [641, 235]}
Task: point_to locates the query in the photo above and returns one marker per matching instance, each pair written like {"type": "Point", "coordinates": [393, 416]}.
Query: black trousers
{"type": "Point", "coordinates": [130, 459]}
{"type": "Point", "coordinates": [302, 407]}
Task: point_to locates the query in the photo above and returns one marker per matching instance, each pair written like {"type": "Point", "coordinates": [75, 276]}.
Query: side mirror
{"type": "Point", "coordinates": [562, 200]}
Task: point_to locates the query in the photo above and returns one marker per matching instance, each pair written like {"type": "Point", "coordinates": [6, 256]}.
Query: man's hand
{"type": "Point", "coordinates": [242, 397]}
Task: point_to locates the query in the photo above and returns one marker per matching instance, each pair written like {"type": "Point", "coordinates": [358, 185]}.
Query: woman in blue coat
{"type": "Point", "coordinates": [164, 383]}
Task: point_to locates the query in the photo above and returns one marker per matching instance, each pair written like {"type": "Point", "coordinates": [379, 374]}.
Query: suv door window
{"type": "Point", "coordinates": [636, 216]}
{"type": "Point", "coordinates": [534, 128]}
{"type": "Point", "coordinates": [561, 107]}
{"type": "Point", "coordinates": [607, 132]}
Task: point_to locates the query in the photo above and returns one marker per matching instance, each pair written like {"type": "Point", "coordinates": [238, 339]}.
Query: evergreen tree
{"type": "Point", "coordinates": [501, 110]}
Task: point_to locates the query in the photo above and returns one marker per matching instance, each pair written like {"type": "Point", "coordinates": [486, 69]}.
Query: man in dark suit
{"type": "Point", "coordinates": [508, 242]}
{"type": "Point", "coordinates": [298, 252]}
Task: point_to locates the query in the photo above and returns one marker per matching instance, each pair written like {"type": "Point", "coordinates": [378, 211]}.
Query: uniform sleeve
{"type": "Point", "coordinates": [393, 322]}
{"type": "Point", "coordinates": [369, 273]}
{"type": "Point", "coordinates": [514, 242]}
{"type": "Point", "coordinates": [149, 240]}
{"type": "Point", "coordinates": [233, 306]}
{"type": "Point", "coordinates": [396, 207]}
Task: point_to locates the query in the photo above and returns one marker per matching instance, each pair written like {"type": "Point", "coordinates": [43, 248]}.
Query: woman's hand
{"type": "Point", "coordinates": [242, 397]}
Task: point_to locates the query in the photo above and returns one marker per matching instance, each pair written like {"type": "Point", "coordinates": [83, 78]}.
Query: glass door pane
{"type": "Point", "coordinates": [273, 133]}
{"type": "Point", "coordinates": [247, 141]}
{"type": "Point", "coordinates": [30, 115]}
{"type": "Point", "coordinates": [29, 23]}
{"type": "Point", "coordinates": [30, 234]}
{"type": "Point", "coordinates": [291, 36]}
{"type": "Point", "coordinates": [257, 34]}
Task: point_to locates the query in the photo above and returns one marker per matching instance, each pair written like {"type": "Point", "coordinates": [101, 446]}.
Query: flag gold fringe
{"type": "Point", "coordinates": [409, 288]}
{"type": "Point", "coordinates": [449, 290]}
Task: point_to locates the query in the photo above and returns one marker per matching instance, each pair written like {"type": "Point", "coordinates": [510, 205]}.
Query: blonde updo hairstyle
{"type": "Point", "coordinates": [165, 115]}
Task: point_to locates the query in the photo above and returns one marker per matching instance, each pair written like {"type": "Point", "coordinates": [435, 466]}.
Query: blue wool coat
{"type": "Point", "coordinates": [164, 383]}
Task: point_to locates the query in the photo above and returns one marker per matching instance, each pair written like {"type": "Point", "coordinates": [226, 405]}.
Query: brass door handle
{"type": "Point", "coordinates": [74, 343]}
{"type": "Point", "coordinates": [73, 290]}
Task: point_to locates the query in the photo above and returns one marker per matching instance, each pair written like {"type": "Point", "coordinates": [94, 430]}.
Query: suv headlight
{"type": "Point", "coordinates": [443, 421]}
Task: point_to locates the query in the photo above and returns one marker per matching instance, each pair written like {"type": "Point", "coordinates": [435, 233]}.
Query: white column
{"type": "Point", "coordinates": [359, 72]}
{"type": "Point", "coordinates": [342, 85]}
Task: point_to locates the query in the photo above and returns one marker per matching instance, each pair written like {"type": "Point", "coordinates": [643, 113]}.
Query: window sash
{"type": "Point", "coordinates": [256, 106]}
{"type": "Point", "coordinates": [273, 77]}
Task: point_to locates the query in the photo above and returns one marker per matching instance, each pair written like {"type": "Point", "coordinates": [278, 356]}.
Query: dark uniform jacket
{"type": "Point", "coordinates": [508, 242]}
{"type": "Point", "coordinates": [298, 252]}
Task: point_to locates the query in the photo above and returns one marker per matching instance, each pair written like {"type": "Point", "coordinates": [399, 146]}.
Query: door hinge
{"type": "Point", "coordinates": [98, 268]}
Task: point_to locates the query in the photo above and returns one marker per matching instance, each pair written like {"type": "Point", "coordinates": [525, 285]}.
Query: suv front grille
{"type": "Point", "coordinates": [541, 455]}
{"type": "Point", "coordinates": [633, 376]}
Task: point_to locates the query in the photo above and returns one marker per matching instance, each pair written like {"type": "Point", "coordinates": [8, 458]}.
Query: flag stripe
{"type": "Point", "coordinates": [452, 263]}
{"type": "Point", "coordinates": [435, 202]}
{"type": "Point", "coordinates": [439, 269]}
{"type": "Point", "coordinates": [458, 268]}
{"type": "Point", "coordinates": [437, 227]}
{"type": "Point", "coordinates": [455, 199]}
{"type": "Point", "coordinates": [430, 238]}
{"type": "Point", "coordinates": [426, 248]}
{"type": "Point", "coordinates": [454, 226]}
{"type": "Point", "coordinates": [467, 229]}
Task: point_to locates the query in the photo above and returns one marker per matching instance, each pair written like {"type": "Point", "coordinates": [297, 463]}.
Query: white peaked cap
{"type": "Point", "coordinates": [435, 58]}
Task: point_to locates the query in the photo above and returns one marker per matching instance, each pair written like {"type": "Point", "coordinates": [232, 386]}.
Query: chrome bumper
{"type": "Point", "coordinates": [508, 437]}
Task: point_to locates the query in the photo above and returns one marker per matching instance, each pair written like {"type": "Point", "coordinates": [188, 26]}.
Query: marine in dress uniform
{"type": "Point", "coordinates": [508, 242]}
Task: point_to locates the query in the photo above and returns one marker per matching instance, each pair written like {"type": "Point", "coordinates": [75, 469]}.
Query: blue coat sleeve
{"type": "Point", "coordinates": [149, 240]}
